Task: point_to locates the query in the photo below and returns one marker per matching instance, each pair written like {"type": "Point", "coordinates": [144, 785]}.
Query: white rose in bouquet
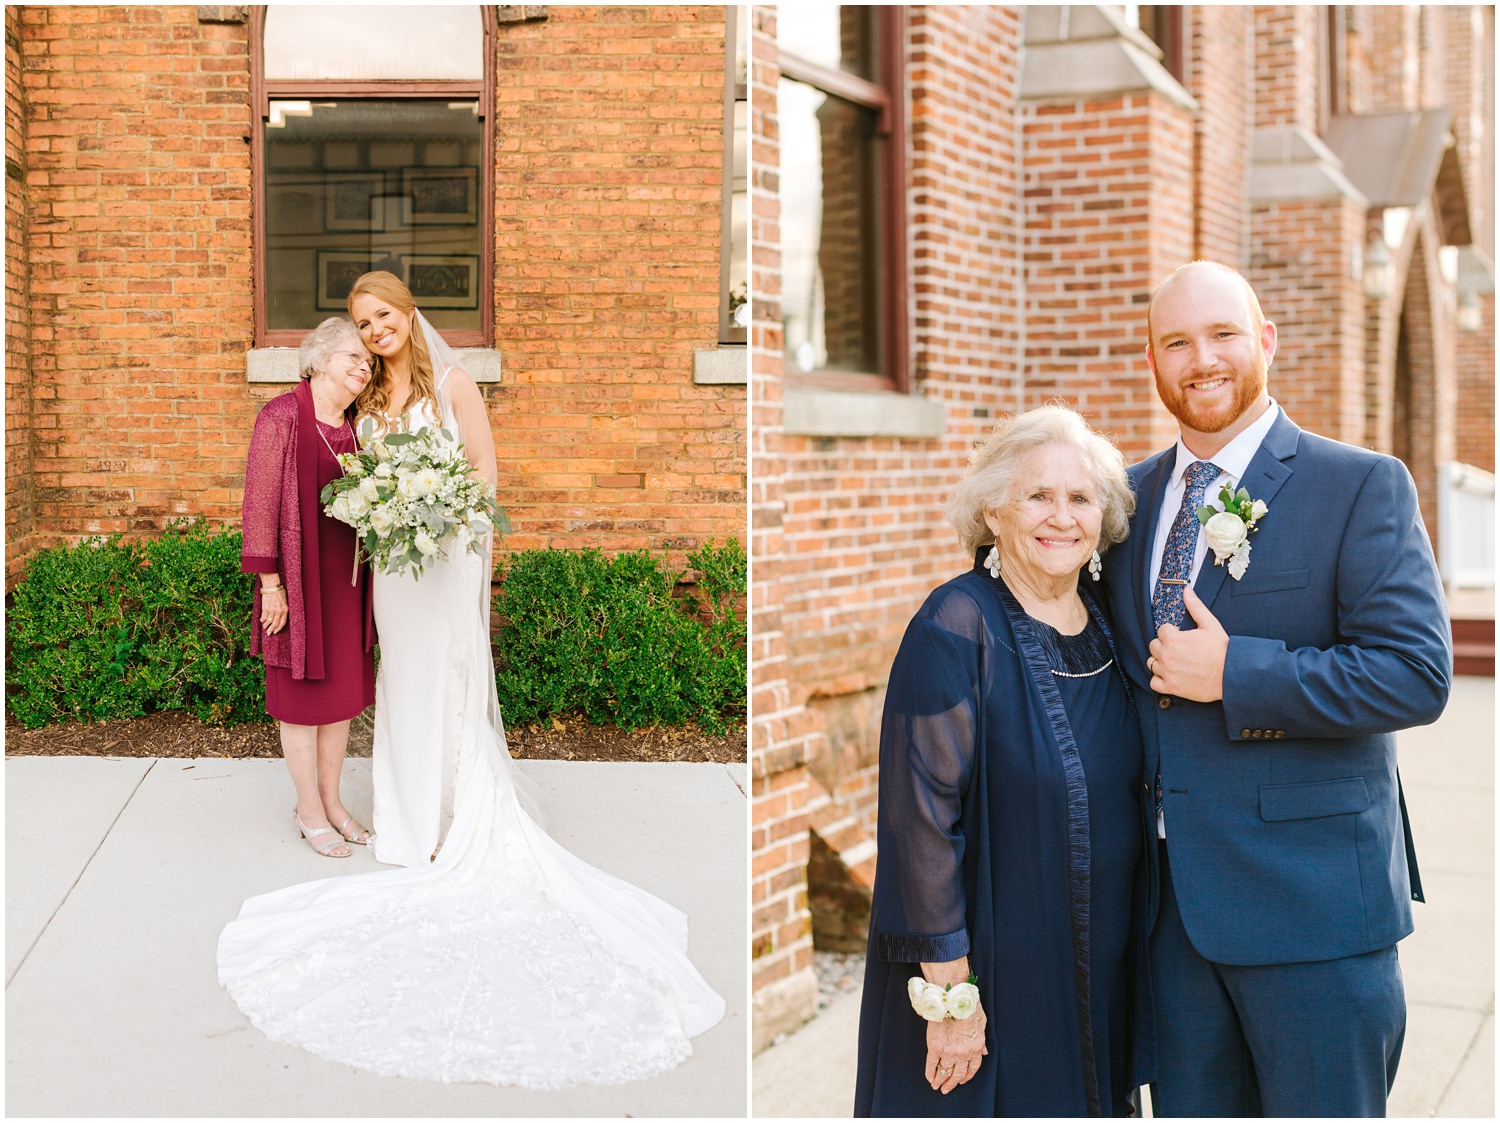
{"type": "Point", "coordinates": [339, 509]}
{"type": "Point", "coordinates": [1226, 533]}
{"type": "Point", "coordinates": [383, 471]}
{"type": "Point", "coordinates": [406, 484]}
{"type": "Point", "coordinates": [382, 521]}
{"type": "Point", "coordinates": [358, 506]}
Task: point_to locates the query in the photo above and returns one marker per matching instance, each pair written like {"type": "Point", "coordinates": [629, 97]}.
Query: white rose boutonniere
{"type": "Point", "coordinates": [1228, 531]}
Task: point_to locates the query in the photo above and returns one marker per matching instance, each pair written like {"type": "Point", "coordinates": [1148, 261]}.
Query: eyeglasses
{"type": "Point", "coordinates": [359, 360]}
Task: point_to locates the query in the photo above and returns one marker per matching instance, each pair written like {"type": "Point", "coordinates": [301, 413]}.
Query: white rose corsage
{"type": "Point", "coordinates": [1228, 531]}
{"type": "Point", "coordinates": [935, 1001]}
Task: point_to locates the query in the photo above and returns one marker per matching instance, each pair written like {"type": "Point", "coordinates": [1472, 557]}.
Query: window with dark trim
{"type": "Point", "coordinates": [840, 109]}
{"type": "Point", "coordinates": [1163, 25]}
{"type": "Point", "coordinates": [734, 254]}
{"type": "Point", "coordinates": [1333, 66]}
{"type": "Point", "coordinates": [374, 156]}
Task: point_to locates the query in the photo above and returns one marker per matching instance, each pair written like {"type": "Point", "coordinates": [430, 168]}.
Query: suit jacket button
{"type": "Point", "coordinates": [1280, 733]}
{"type": "Point", "coordinates": [1164, 703]}
{"type": "Point", "coordinates": [1245, 733]}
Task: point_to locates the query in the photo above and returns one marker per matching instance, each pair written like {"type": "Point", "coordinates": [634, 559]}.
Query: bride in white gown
{"type": "Point", "coordinates": [495, 955]}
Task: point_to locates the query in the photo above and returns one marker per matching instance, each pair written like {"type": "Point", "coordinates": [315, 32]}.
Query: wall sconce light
{"type": "Point", "coordinates": [1379, 270]}
{"type": "Point", "coordinates": [1470, 315]}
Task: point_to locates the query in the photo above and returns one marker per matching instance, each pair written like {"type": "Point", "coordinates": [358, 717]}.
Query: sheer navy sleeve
{"type": "Point", "coordinates": [928, 739]}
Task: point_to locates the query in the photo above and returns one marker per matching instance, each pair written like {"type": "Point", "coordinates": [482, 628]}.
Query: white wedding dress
{"type": "Point", "coordinates": [505, 959]}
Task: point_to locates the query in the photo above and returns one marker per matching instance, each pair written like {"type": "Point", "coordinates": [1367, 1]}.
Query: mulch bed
{"type": "Point", "coordinates": [178, 734]}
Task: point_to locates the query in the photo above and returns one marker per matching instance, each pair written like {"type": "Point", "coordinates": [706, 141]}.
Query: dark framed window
{"type": "Point", "coordinates": [734, 253]}
{"type": "Point", "coordinates": [373, 149]}
{"type": "Point", "coordinates": [1163, 25]}
{"type": "Point", "coordinates": [840, 117]}
{"type": "Point", "coordinates": [1333, 66]}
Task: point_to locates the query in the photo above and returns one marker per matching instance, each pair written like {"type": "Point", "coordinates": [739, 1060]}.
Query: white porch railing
{"type": "Point", "coordinates": [1466, 526]}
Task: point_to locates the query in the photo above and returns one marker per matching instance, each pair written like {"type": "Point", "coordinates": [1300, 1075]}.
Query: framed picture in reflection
{"type": "Point", "coordinates": [440, 196]}
{"type": "Point", "coordinates": [443, 280]}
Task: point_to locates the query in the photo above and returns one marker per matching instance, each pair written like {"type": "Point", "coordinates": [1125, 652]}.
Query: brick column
{"type": "Point", "coordinates": [1307, 224]}
{"type": "Point", "coordinates": [1220, 77]}
{"type": "Point", "coordinates": [20, 487]}
{"type": "Point", "coordinates": [1108, 194]}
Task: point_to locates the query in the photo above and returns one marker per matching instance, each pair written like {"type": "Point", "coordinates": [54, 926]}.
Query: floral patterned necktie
{"type": "Point", "coordinates": [1182, 543]}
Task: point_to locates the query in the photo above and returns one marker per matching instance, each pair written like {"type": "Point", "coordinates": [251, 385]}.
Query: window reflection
{"type": "Point", "coordinates": [358, 185]}
{"type": "Point", "coordinates": [838, 36]}
{"type": "Point", "coordinates": [830, 234]}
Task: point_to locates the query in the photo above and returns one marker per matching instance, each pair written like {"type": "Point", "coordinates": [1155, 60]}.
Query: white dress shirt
{"type": "Point", "coordinates": [1233, 460]}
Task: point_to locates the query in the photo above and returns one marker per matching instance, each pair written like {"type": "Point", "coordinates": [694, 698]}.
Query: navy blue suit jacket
{"type": "Point", "coordinates": [1283, 810]}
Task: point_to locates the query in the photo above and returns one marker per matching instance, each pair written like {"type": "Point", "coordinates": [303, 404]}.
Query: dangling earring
{"type": "Point", "coordinates": [992, 561]}
{"type": "Point", "coordinates": [1095, 566]}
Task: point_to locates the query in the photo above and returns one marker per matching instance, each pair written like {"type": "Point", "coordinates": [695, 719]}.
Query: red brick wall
{"type": "Point", "coordinates": [783, 733]}
{"type": "Point", "coordinates": [1109, 206]}
{"type": "Point", "coordinates": [608, 186]}
{"type": "Point", "coordinates": [1303, 271]}
{"type": "Point", "coordinates": [1474, 378]}
{"type": "Point", "coordinates": [19, 484]}
{"type": "Point", "coordinates": [1395, 63]}
{"type": "Point", "coordinates": [1218, 77]}
{"type": "Point", "coordinates": [1287, 39]}
{"type": "Point", "coordinates": [865, 538]}
{"type": "Point", "coordinates": [608, 174]}
{"type": "Point", "coordinates": [138, 177]}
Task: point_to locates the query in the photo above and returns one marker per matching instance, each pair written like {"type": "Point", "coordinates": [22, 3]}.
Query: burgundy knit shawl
{"type": "Point", "coordinates": [281, 497]}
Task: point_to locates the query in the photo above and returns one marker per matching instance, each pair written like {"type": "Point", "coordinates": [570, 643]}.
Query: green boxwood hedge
{"type": "Point", "coordinates": [124, 627]}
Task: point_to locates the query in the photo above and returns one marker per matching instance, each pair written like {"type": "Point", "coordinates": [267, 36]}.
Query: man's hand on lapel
{"type": "Point", "coordinates": [1190, 664]}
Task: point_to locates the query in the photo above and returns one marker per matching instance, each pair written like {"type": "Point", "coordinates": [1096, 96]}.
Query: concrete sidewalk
{"type": "Point", "coordinates": [1448, 1062]}
{"type": "Point", "coordinates": [121, 873]}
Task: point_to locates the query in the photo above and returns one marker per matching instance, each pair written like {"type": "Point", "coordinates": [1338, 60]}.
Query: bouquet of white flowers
{"type": "Point", "coordinates": [410, 495]}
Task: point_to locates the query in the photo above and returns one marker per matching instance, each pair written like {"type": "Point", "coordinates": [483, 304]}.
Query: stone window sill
{"type": "Point", "coordinates": [279, 364]}
{"type": "Point", "coordinates": [726, 365]}
{"type": "Point", "coordinates": [845, 413]}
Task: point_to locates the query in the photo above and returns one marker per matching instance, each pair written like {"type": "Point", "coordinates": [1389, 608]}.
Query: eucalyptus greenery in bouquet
{"type": "Point", "coordinates": [409, 496]}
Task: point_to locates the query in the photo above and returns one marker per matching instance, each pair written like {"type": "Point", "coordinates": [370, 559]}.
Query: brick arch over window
{"type": "Point", "coordinates": [456, 281]}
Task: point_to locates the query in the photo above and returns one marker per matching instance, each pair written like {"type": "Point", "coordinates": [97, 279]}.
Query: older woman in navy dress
{"type": "Point", "coordinates": [1013, 815]}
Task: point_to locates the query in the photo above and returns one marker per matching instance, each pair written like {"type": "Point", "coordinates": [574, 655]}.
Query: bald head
{"type": "Point", "coordinates": [1198, 272]}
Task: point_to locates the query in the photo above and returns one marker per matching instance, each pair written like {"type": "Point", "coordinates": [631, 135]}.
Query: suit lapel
{"type": "Point", "coordinates": [1262, 479]}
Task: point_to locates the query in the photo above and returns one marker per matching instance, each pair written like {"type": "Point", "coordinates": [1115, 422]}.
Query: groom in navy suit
{"type": "Point", "coordinates": [1273, 666]}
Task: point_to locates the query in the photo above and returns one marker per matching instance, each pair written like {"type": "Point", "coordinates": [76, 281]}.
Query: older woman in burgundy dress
{"type": "Point", "coordinates": [311, 622]}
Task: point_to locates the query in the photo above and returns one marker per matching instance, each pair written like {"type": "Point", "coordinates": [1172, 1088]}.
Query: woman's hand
{"type": "Point", "coordinates": [954, 1050]}
{"type": "Point", "coordinates": [273, 608]}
